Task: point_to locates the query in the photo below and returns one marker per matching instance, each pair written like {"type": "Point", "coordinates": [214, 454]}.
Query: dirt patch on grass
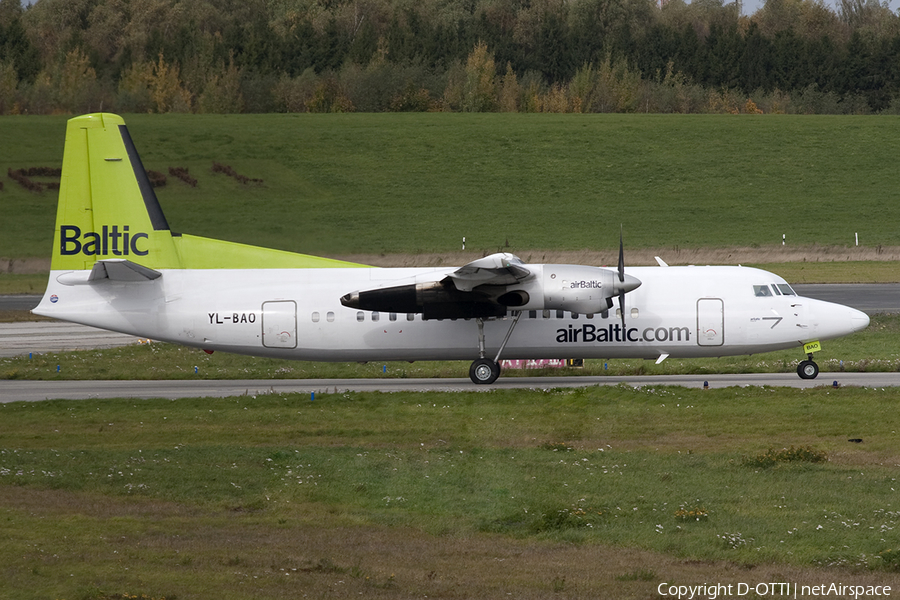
{"type": "Point", "coordinates": [324, 554]}
{"type": "Point", "coordinates": [24, 266]}
{"type": "Point", "coordinates": [633, 257]}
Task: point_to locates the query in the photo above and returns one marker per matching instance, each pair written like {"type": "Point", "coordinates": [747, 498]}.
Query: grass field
{"type": "Point", "coordinates": [415, 183]}
{"type": "Point", "coordinates": [594, 493]}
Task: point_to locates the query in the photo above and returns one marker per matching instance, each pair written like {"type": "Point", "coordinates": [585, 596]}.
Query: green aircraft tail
{"type": "Point", "coordinates": [109, 211]}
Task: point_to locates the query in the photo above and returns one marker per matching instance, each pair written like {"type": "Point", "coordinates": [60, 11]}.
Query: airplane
{"type": "Point", "coordinates": [117, 265]}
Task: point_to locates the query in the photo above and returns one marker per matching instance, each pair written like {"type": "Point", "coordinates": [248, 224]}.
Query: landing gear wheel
{"type": "Point", "coordinates": [484, 371]}
{"type": "Point", "coordinates": [807, 369]}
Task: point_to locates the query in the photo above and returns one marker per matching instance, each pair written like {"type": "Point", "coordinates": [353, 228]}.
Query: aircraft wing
{"type": "Point", "coordinates": [471, 291]}
{"type": "Point", "coordinates": [496, 269]}
{"type": "Point", "coordinates": [493, 285]}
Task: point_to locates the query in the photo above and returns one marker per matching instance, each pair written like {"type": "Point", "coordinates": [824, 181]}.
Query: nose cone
{"type": "Point", "coordinates": [630, 283]}
{"type": "Point", "coordinates": [858, 319]}
{"type": "Point", "coordinates": [831, 320]}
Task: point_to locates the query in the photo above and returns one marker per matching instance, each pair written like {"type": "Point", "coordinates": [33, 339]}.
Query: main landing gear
{"type": "Point", "coordinates": [808, 369]}
{"type": "Point", "coordinates": [485, 371]}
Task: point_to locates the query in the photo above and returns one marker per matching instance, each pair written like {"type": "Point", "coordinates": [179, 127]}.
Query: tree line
{"type": "Point", "coordinates": [231, 56]}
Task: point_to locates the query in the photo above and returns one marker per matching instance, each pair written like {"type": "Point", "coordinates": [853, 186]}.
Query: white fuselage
{"type": "Point", "coordinates": [297, 314]}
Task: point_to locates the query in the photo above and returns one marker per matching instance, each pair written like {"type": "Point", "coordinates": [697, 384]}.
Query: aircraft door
{"type": "Point", "coordinates": [279, 324]}
{"type": "Point", "coordinates": [710, 322]}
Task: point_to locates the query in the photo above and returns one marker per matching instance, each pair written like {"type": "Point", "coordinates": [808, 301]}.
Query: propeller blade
{"type": "Point", "coordinates": [621, 256]}
{"type": "Point", "coordinates": [622, 276]}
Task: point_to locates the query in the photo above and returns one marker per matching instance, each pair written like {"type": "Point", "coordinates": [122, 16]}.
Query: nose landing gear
{"type": "Point", "coordinates": [808, 369]}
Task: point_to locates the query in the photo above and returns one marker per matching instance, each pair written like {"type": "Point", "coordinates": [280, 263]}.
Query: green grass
{"type": "Point", "coordinates": [388, 493]}
{"type": "Point", "coordinates": [11, 283]}
{"type": "Point", "coordinates": [876, 348]}
{"type": "Point", "coordinates": [835, 272]}
{"type": "Point", "coordinates": [407, 183]}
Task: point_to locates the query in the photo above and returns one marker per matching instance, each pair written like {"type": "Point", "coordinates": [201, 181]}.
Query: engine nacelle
{"type": "Point", "coordinates": [578, 288]}
{"type": "Point", "coordinates": [574, 288]}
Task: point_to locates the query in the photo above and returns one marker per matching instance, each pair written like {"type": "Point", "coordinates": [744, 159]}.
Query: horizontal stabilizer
{"type": "Point", "coordinates": [121, 270]}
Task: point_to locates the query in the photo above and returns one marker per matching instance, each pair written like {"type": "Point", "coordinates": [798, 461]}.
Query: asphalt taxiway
{"type": "Point", "coordinates": [309, 389]}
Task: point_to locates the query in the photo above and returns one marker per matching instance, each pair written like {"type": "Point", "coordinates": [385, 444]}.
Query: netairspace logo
{"type": "Point", "coordinates": [771, 590]}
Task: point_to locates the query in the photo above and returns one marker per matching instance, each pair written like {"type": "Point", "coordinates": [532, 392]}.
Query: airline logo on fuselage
{"type": "Point", "coordinates": [590, 334]}
{"type": "Point", "coordinates": [585, 285]}
{"type": "Point", "coordinates": [108, 241]}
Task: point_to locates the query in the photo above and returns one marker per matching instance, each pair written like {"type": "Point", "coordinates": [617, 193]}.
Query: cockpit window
{"type": "Point", "coordinates": [786, 289]}
{"type": "Point", "coordinates": [761, 291]}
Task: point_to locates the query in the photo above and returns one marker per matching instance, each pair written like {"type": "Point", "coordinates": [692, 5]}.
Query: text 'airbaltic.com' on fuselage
{"type": "Point", "coordinates": [616, 333]}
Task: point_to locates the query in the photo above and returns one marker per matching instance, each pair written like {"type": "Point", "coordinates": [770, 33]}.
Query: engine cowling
{"type": "Point", "coordinates": [574, 288]}
{"type": "Point", "coordinates": [577, 288]}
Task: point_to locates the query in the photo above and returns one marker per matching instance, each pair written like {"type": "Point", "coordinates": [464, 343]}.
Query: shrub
{"type": "Point", "coordinates": [182, 174]}
{"type": "Point", "coordinates": [890, 559]}
{"type": "Point", "coordinates": [771, 457]}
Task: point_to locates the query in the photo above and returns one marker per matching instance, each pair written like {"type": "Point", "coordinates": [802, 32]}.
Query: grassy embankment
{"type": "Point", "coordinates": [415, 184]}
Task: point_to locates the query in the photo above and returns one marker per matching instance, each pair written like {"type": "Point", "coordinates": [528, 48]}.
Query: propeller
{"type": "Point", "coordinates": [626, 282]}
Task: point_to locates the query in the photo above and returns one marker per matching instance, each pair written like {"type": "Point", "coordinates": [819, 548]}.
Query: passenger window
{"type": "Point", "coordinates": [560, 314]}
{"type": "Point", "coordinates": [589, 316]}
{"type": "Point", "coordinates": [315, 317]}
{"type": "Point", "coordinates": [375, 315]}
{"type": "Point", "coordinates": [761, 291]}
{"type": "Point", "coordinates": [360, 316]}
{"type": "Point", "coordinates": [330, 317]}
{"type": "Point", "coordinates": [604, 314]}
{"type": "Point", "coordinates": [393, 316]}
{"type": "Point", "coordinates": [410, 316]}
{"type": "Point", "coordinates": [574, 315]}
{"type": "Point", "coordinates": [635, 313]}
{"type": "Point", "coordinates": [546, 314]}
{"type": "Point", "coordinates": [532, 314]}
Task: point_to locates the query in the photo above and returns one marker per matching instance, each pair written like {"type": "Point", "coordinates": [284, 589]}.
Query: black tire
{"type": "Point", "coordinates": [807, 369]}
{"type": "Point", "coordinates": [484, 371]}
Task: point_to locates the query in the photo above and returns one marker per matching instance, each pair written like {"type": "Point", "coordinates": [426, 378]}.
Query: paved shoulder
{"type": "Point", "coordinates": [18, 339]}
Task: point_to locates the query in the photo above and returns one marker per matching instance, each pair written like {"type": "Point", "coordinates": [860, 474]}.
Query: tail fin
{"type": "Point", "coordinates": [109, 212]}
{"type": "Point", "coordinates": [107, 207]}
